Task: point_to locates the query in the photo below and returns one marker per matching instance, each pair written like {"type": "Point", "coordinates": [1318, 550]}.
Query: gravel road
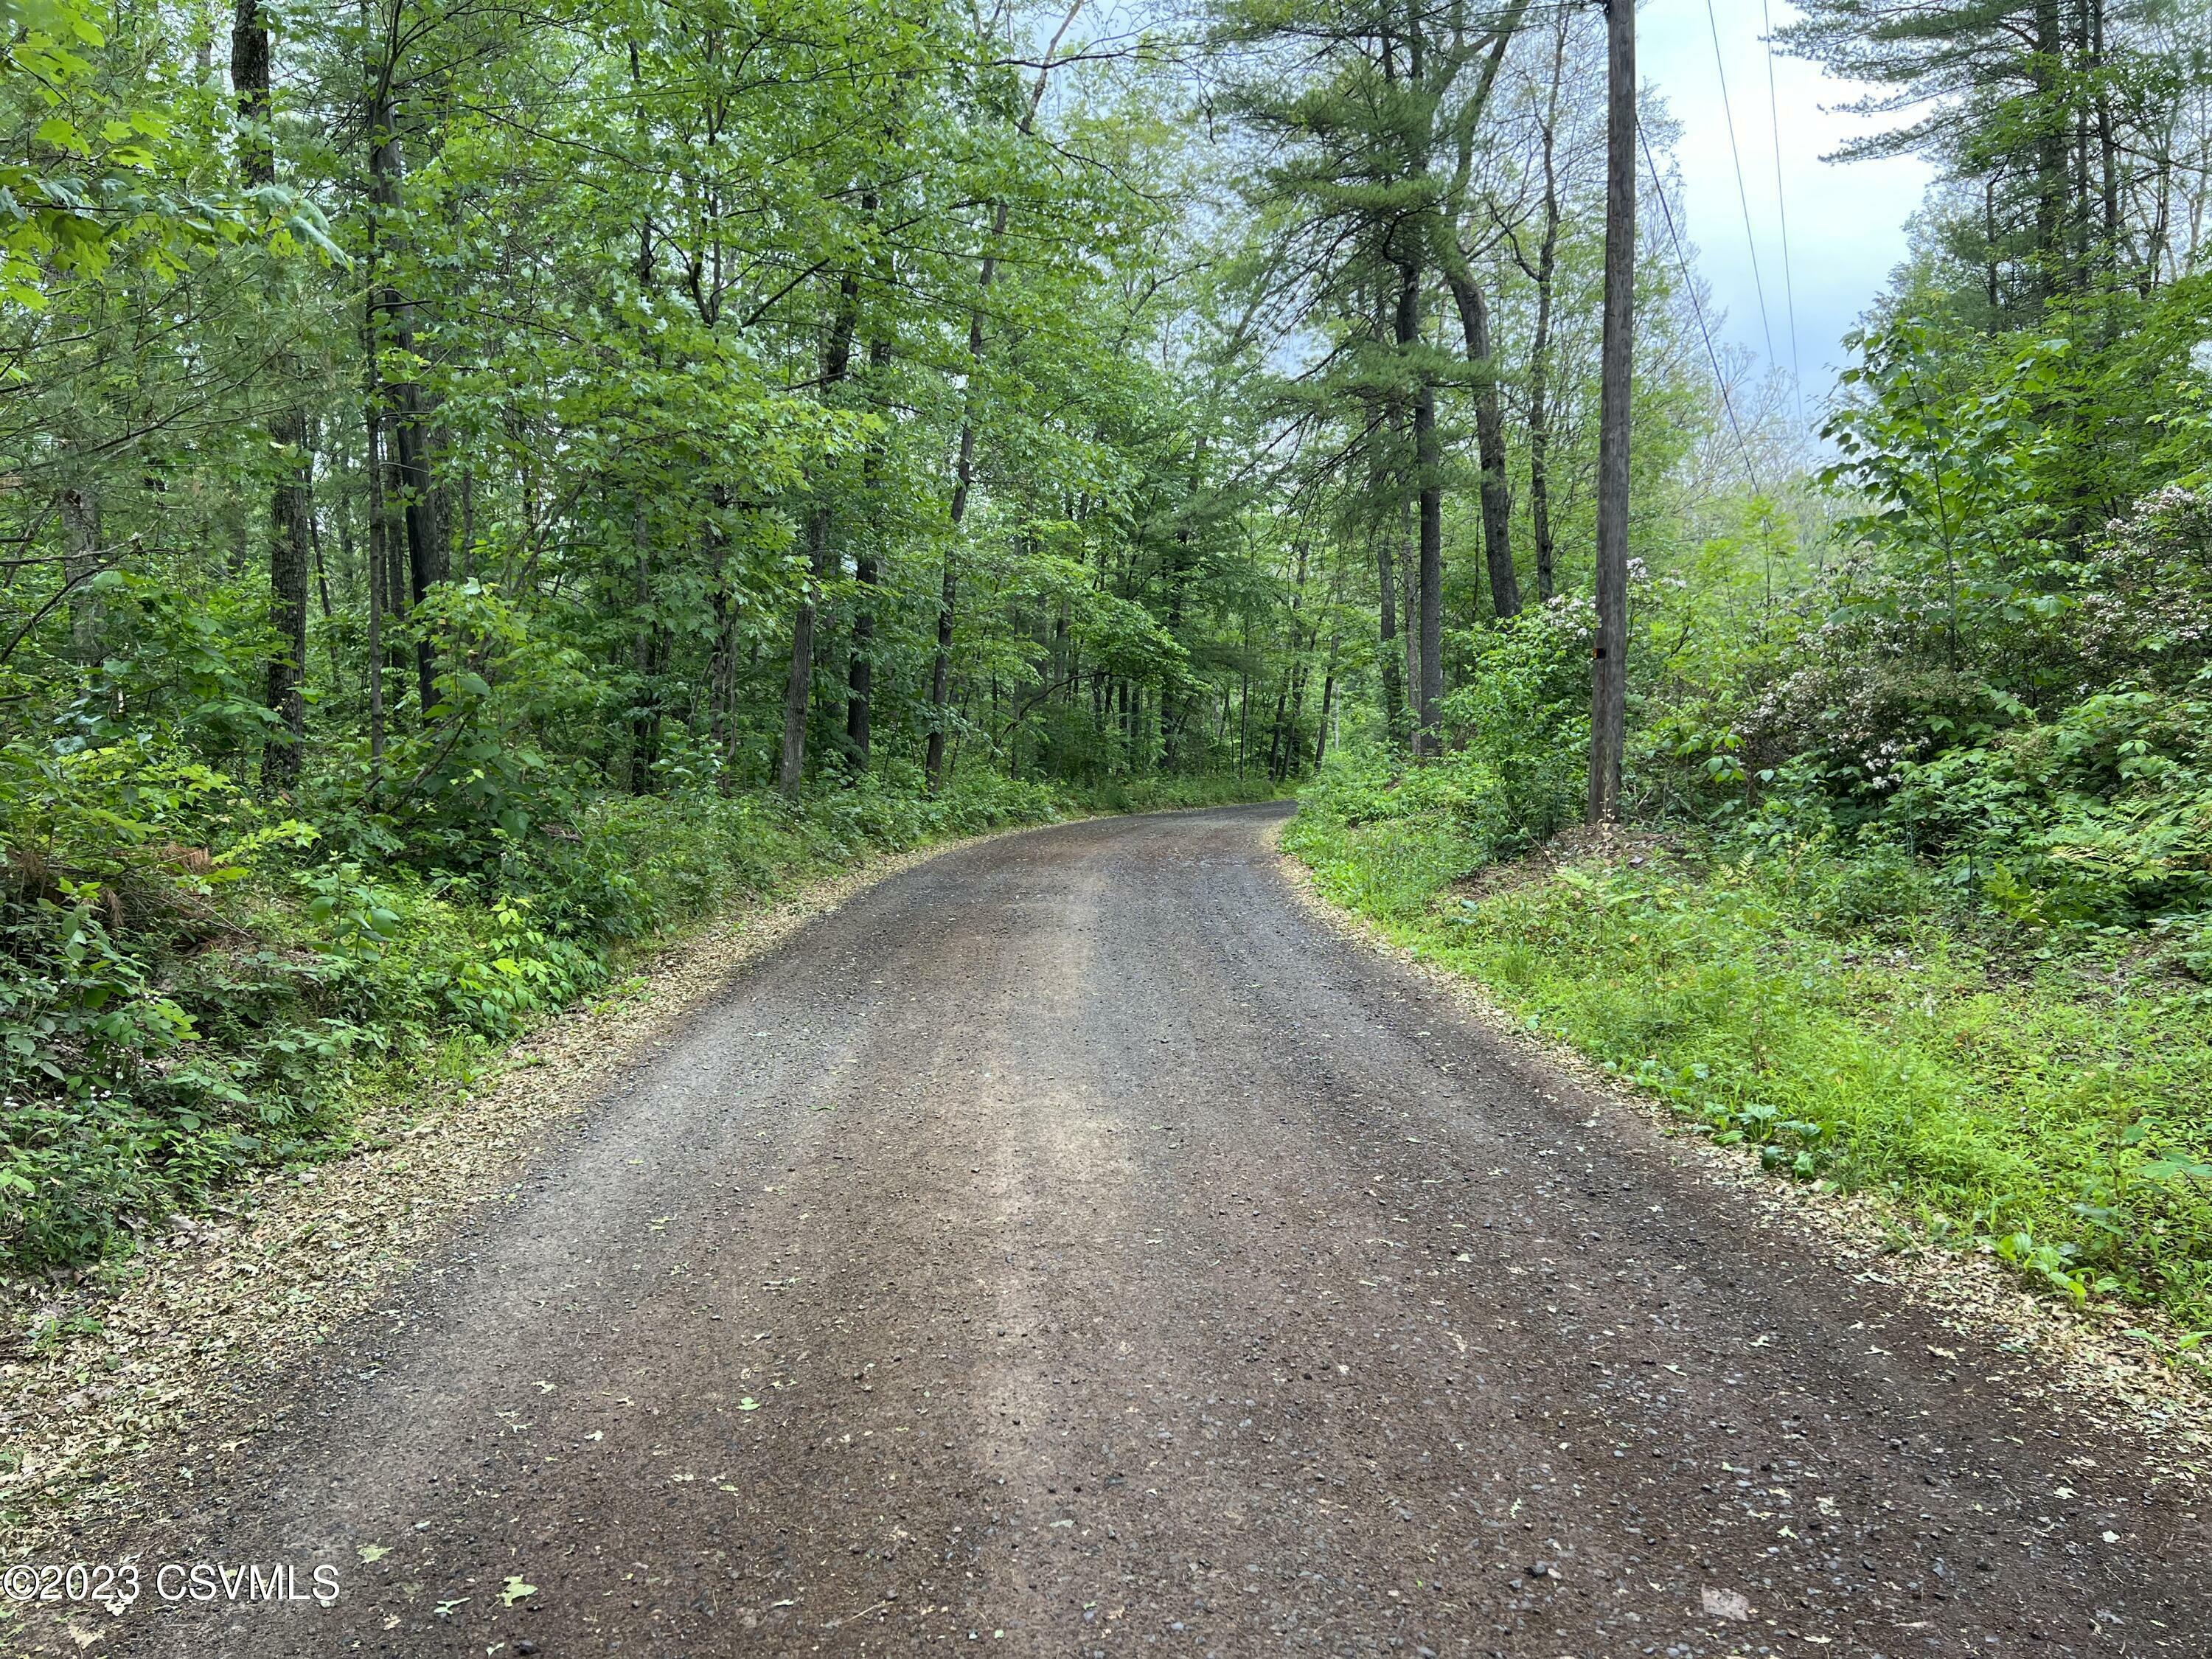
{"type": "Point", "coordinates": [1070, 1247]}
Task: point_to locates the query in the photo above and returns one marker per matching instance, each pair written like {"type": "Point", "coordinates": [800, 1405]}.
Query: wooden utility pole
{"type": "Point", "coordinates": [1609, 655]}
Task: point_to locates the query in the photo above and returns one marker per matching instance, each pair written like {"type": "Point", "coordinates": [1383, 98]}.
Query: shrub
{"type": "Point", "coordinates": [195, 986]}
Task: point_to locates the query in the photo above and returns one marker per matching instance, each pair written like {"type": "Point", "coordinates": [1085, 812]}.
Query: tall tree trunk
{"type": "Point", "coordinates": [2047, 71]}
{"type": "Point", "coordinates": [860, 671]}
{"type": "Point", "coordinates": [964, 478]}
{"type": "Point", "coordinates": [291, 510]}
{"type": "Point", "coordinates": [395, 331]}
{"type": "Point", "coordinates": [1389, 663]}
{"type": "Point", "coordinates": [372, 424]}
{"type": "Point", "coordinates": [645, 713]}
{"type": "Point", "coordinates": [291, 505]}
{"type": "Point", "coordinates": [860, 674]}
{"type": "Point", "coordinates": [2081, 86]}
{"type": "Point", "coordinates": [2107, 144]}
{"type": "Point", "coordinates": [1245, 697]}
{"type": "Point", "coordinates": [1425, 678]}
{"type": "Point", "coordinates": [1540, 347]}
{"type": "Point", "coordinates": [1275, 728]}
{"type": "Point", "coordinates": [1327, 701]}
{"type": "Point", "coordinates": [1430, 462]}
{"type": "Point", "coordinates": [1989, 238]}
{"type": "Point", "coordinates": [1284, 749]}
{"type": "Point", "coordinates": [940, 672]}
{"type": "Point", "coordinates": [721, 662]}
{"type": "Point", "coordinates": [1609, 652]}
{"type": "Point", "coordinates": [1428, 489]}
{"type": "Point", "coordinates": [1490, 446]}
{"type": "Point", "coordinates": [249, 84]}
{"type": "Point", "coordinates": [80, 512]}
{"type": "Point", "coordinates": [1409, 615]}
{"type": "Point", "coordinates": [323, 591]}
{"type": "Point", "coordinates": [395, 581]}
{"type": "Point", "coordinates": [798, 685]}
{"type": "Point", "coordinates": [1173, 704]}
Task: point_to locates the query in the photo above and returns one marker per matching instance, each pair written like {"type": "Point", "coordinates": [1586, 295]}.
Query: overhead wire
{"type": "Point", "coordinates": [1742, 192]}
{"type": "Point", "coordinates": [1698, 310]}
{"type": "Point", "coordinates": [1782, 213]}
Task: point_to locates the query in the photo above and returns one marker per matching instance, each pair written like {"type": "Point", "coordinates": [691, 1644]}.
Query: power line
{"type": "Point", "coordinates": [1698, 310]}
{"type": "Point", "coordinates": [1742, 194]}
{"type": "Point", "coordinates": [1782, 211]}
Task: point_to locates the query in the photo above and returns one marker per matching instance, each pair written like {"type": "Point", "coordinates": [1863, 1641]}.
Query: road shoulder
{"type": "Point", "coordinates": [219, 1311]}
{"type": "Point", "coordinates": [2087, 1357]}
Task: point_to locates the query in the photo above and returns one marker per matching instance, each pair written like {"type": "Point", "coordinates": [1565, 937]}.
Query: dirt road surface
{"type": "Point", "coordinates": [1070, 1247]}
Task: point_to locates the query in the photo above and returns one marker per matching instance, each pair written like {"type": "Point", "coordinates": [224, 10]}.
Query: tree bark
{"type": "Point", "coordinates": [2047, 68]}
{"type": "Point", "coordinates": [372, 424]}
{"type": "Point", "coordinates": [798, 685]}
{"type": "Point", "coordinates": [1609, 664]}
{"type": "Point", "coordinates": [1429, 461]}
{"type": "Point", "coordinates": [860, 672]}
{"type": "Point", "coordinates": [1327, 698]}
{"type": "Point", "coordinates": [291, 505]}
{"type": "Point", "coordinates": [1409, 611]}
{"type": "Point", "coordinates": [425, 545]}
{"type": "Point", "coordinates": [290, 511]}
{"type": "Point", "coordinates": [1540, 349]}
{"type": "Point", "coordinates": [645, 713]}
{"type": "Point", "coordinates": [1426, 677]}
{"type": "Point", "coordinates": [721, 660]}
{"type": "Point", "coordinates": [1173, 711]}
{"type": "Point", "coordinates": [1489, 447]}
{"type": "Point", "coordinates": [249, 85]}
{"type": "Point", "coordinates": [940, 672]}
{"type": "Point", "coordinates": [1389, 662]}
{"type": "Point", "coordinates": [963, 478]}
{"type": "Point", "coordinates": [80, 511]}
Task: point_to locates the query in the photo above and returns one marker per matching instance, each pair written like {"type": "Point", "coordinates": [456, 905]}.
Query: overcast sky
{"type": "Point", "coordinates": [1846, 222]}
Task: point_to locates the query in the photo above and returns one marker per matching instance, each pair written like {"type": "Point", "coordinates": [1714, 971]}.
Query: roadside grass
{"type": "Point", "coordinates": [2042, 1097]}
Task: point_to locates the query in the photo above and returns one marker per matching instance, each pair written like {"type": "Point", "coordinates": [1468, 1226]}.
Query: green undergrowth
{"type": "Point", "coordinates": [2038, 1094]}
{"type": "Point", "coordinates": [196, 985]}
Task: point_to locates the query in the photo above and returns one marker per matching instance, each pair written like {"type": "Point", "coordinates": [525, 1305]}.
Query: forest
{"type": "Point", "coordinates": [482, 484]}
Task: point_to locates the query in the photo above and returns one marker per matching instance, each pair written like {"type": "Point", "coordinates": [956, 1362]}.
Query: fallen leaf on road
{"type": "Point", "coordinates": [1726, 1604]}
{"type": "Point", "coordinates": [374, 1552]}
{"type": "Point", "coordinates": [516, 1590]}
